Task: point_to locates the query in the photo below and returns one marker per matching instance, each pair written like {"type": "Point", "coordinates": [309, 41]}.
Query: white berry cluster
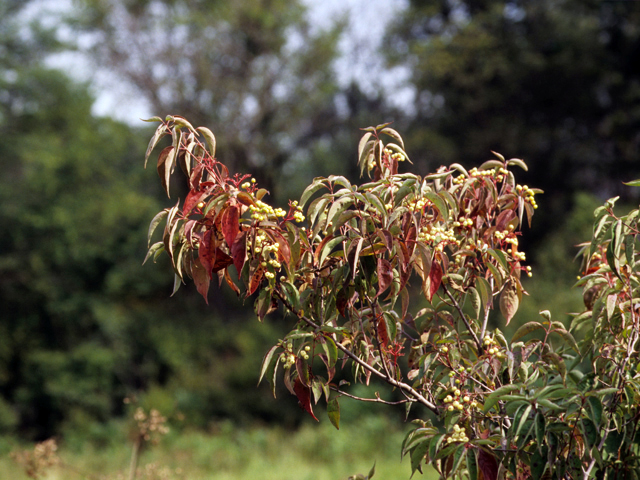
{"type": "Point", "coordinates": [297, 215]}
{"type": "Point", "coordinates": [261, 211]}
{"type": "Point", "coordinates": [528, 194]}
{"type": "Point", "coordinates": [268, 251]}
{"type": "Point", "coordinates": [437, 235]}
{"type": "Point", "coordinates": [287, 357]}
{"type": "Point", "coordinates": [458, 435]}
{"type": "Point", "coordinates": [397, 156]}
{"type": "Point", "coordinates": [494, 348]}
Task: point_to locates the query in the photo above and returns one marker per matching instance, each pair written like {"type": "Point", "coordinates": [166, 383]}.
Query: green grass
{"type": "Point", "coordinates": [313, 452]}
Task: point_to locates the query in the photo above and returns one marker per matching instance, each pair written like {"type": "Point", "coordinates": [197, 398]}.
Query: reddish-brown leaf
{"type": "Point", "coordinates": [206, 251]}
{"type": "Point", "coordinates": [201, 278]}
{"type": "Point", "coordinates": [386, 238]}
{"type": "Point", "coordinates": [239, 251]}
{"type": "Point", "coordinates": [509, 300]}
{"type": "Point", "coordinates": [383, 334]}
{"type": "Point", "coordinates": [233, 286]}
{"type": "Point", "coordinates": [487, 465]}
{"type": "Point", "coordinates": [230, 224]}
{"type": "Point", "coordinates": [193, 198]}
{"type": "Point", "coordinates": [284, 250]}
{"type": "Point", "coordinates": [434, 280]}
{"type": "Point", "coordinates": [502, 222]}
{"type": "Point", "coordinates": [222, 260]}
{"type": "Point", "coordinates": [304, 397]}
{"type": "Point", "coordinates": [256, 279]}
{"type": "Point", "coordinates": [385, 275]}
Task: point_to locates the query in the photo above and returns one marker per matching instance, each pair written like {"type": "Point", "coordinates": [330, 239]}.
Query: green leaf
{"type": "Point", "coordinates": [338, 207]}
{"type": "Point", "coordinates": [439, 203]}
{"type": "Point", "coordinates": [267, 361]}
{"type": "Point", "coordinates": [633, 183]}
{"type": "Point", "coordinates": [567, 337]}
{"type": "Point", "coordinates": [331, 349]}
{"type": "Point", "coordinates": [153, 250]}
{"type": "Point", "coordinates": [393, 134]}
{"type": "Point", "coordinates": [494, 396]}
{"type": "Point", "coordinates": [472, 464]}
{"type": "Point", "coordinates": [160, 131]}
{"type": "Point", "coordinates": [417, 455]}
{"type": "Point", "coordinates": [327, 248]}
{"type": "Point", "coordinates": [210, 138]}
{"type": "Point", "coordinates": [519, 163]}
{"type": "Point", "coordinates": [595, 409]}
{"type": "Point", "coordinates": [333, 412]}
{"type": "Point", "coordinates": [484, 289]}
{"type": "Point", "coordinates": [316, 185]}
{"type": "Point", "coordinates": [372, 471]}
{"type": "Point", "coordinates": [540, 428]}
{"type": "Point", "coordinates": [526, 329]}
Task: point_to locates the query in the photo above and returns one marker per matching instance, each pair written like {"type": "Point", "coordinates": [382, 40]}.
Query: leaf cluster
{"type": "Point", "coordinates": [342, 261]}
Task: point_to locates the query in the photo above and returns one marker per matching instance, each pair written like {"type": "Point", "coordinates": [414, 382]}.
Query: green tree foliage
{"type": "Point", "coordinates": [255, 68]}
{"type": "Point", "coordinates": [556, 82]}
{"type": "Point", "coordinates": [548, 401]}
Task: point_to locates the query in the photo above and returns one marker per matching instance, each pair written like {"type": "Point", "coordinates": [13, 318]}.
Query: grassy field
{"type": "Point", "coordinates": [313, 452]}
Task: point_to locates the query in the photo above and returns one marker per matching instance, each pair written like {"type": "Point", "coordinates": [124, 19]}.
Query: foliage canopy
{"type": "Point", "coordinates": [551, 400]}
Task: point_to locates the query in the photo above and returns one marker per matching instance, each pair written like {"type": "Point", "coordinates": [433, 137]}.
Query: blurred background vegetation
{"type": "Point", "coordinates": [83, 325]}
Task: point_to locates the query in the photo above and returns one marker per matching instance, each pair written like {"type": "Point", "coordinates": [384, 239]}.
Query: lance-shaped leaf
{"type": "Point", "coordinates": [154, 224]}
{"type": "Point", "coordinates": [385, 275]}
{"type": "Point", "coordinates": [333, 412]}
{"type": "Point", "coordinates": [210, 138]}
{"type": "Point", "coordinates": [166, 163]}
{"type": "Point", "coordinates": [239, 251]}
{"type": "Point", "coordinates": [201, 278]}
{"type": "Point", "coordinates": [509, 300]}
{"type": "Point", "coordinates": [304, 397]}
{"type": "Point", "coordinates": [230, 224]}
{"type": "Point", "coordinates": [160, 131]}
{"type": "Point", "coordinates": [430, 287]}
{"type": "Point", "coordinates": [487, 465]}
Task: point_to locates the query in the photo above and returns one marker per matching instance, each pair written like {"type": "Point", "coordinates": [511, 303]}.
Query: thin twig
{"type": "Point", "coordinates": [373, 400]}
{"type": "Point", "coordinates": [391, 381]}
{"type": "Point", "coordinates": [464, 318]}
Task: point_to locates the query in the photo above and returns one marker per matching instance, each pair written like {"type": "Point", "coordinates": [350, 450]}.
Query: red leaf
{"type": "Point", "coordinates": [201, 278]}
{"type": "Point", "coordinates": [193, 197]}
{"type": "Point", "coordinates": [304, 397]}
{"type": "Point", "coordinates": [284, 251]}
{"type": "Point", "coordinates": [434, 280]}
{"type": "Point", "coordinates": [385, 275]}
{"type": "Point", "coordinates": [233, 286]}
{"type": "Point", "coordinates": [382, 331]}
{"type": "Point", "coordinates": [239, 251]}
{"type": "Point", "coordinates": [256, 279]}
{"type": "Point", "coordinates": [487, 465]}
{"type": "Point", "coordinates": [230, 224]}
{"type": "Point", "coordinates": [222, 260]}
{"type": "Point", "coordinates": [206, 251]}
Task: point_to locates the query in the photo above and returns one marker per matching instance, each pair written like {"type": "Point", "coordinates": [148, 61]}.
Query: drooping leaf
{"type": "Point", "coordinates": [385, 275]}
{"type": "Point", "coordinates": [509, 300]}
{"type": "Point", "coordinates": [154, 224]}
{"type": "Point", "coordinates": [434, 280]}
{"type": "Point", "coordinates": [487, 465]}
{"type": "Point", "coordinates": [266, 361]}
{"type": "Point", "coordinates": [263, 304]}
{"type": "Point", "coordinates": [526, 329]}
{"type": "Point", "coordinates": [256, 279]}
{"type": "Point", "coordinates": [210, 140]}
{"type": "Point", "coordinates": [230, 224]}
{"type": "Point", "coordinates": [239, 251]}
{"type": "Point", "coordinates": [165, 167]}
{"type": "Point", "coordinates": [160, 131]}
{"type": "Point", "coordinates": [201, 278]}
{"type": "Point", "coordinates": [472, 464]}
{"type": "Point", "coordinates": [304, 397]}
{"type": "Point", "coordinates": [333, 412]}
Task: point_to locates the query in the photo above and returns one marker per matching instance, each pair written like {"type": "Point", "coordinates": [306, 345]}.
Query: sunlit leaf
{"type": "Point", "coordinates": [333, 412]}
{"type": "Point", "coordinates": [509, 300]}
{"type": "Point", "coordinates": [210, 139]}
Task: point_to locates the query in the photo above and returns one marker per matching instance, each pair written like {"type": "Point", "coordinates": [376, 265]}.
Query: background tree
{"type": "Point", "coordinates": [553, 82]}
{"type": "Point", "coordinates": [255, 68]}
